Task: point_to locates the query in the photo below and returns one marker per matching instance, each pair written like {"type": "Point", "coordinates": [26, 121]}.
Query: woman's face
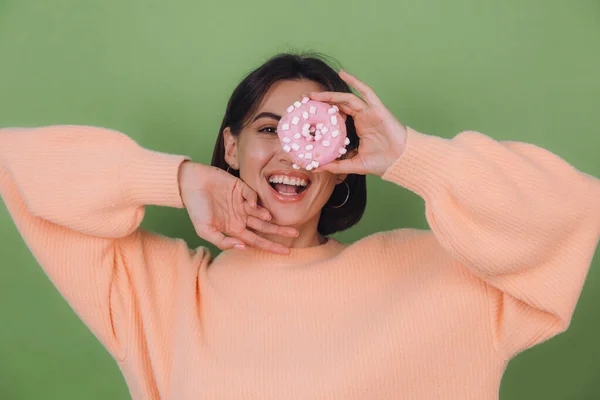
{"type": "Point", "coordinates": [258, 155]}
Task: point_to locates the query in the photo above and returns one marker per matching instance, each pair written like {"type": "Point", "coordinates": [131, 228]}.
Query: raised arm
{"type": "Point", "coordinates": [521, 218]}
{"type": "Point", "coordinates": [77, 196]}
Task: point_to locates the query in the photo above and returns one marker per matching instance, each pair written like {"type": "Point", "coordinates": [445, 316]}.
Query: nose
{"type": "Point", "coordinates": [284, 156]}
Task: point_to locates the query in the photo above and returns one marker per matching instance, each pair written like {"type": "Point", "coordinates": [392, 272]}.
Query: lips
{"type": "Point", "coordinates": [293, 185]}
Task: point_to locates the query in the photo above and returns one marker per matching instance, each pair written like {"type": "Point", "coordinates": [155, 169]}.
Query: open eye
{"type": "Point", "coordinates": [268, 129]}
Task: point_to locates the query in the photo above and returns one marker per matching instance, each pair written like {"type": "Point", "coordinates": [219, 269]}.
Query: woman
{"type": "Point", "coordinates": [285, 311]}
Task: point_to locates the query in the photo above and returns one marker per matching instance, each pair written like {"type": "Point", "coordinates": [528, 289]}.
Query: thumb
{"type": "Point", "coordinates": [351, 166]}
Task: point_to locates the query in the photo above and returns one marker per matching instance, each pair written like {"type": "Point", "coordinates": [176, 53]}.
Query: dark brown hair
{"type": "Point", "coordinates": [246, 99]}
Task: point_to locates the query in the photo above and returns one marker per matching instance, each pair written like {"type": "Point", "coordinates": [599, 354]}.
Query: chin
{"type": "Point", "coordinates": [287, 220]}
{"type": "Point", "coordinates": [289, 214]}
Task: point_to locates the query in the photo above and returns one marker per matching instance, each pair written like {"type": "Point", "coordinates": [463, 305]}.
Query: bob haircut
{"type": "Point", "coordinates": [248, 96]}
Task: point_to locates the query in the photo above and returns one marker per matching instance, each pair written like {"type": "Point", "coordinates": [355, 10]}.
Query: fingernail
{"type": "Point", "coordinates": [240, 246]}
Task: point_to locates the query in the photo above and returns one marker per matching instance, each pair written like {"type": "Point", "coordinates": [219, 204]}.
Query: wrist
{"type": "Point", "coordinates": [183, 167]}
{"type": "Point", "coordinates": [186, 173]}
{"type": "Point", "coordinates": [194, 175]}
{"type": "Point", "coordinates": [397, 147]}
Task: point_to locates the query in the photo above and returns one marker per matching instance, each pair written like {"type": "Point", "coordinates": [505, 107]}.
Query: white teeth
{"type": "Point", "coordinates": [286, 180]}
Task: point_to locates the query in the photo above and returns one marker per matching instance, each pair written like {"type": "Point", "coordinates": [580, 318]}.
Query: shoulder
{"type": "Point", "coordinates": [400, 246]}
{"type": "Point", "coordinates": [397, 238]}
{"type": "Point", "coordinates": [407, 252]}
{"type": "Point", "coordinates": [163, 250]}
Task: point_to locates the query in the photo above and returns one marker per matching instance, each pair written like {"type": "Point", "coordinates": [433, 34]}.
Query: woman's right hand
{"type": "Point", "coordinates": [222, 208]}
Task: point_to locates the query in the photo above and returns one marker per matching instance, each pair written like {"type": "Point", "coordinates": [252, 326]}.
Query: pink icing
{"type": "Point", "coordinates": [311, 145]}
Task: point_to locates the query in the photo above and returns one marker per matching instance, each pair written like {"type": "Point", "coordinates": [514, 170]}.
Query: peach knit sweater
{"type": "Point", "coordinates": [406, 314]}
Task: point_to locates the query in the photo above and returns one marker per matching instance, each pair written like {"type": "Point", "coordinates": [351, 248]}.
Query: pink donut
{"type": "Point", "coordinates": [313, 132]}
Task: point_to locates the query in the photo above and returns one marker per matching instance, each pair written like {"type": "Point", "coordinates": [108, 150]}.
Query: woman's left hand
{"type": "Point", "coordinates": [382, 136]}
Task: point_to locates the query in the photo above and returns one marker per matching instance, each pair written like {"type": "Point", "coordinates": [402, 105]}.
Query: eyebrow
{"type": "Point", "coordinates": [267, 115]}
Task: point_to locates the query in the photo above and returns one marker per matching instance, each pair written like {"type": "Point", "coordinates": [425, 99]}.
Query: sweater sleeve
{"type": "Point", "coordinates": [519, 217]}
{"type": "Point", "coordinates": [77, 195]}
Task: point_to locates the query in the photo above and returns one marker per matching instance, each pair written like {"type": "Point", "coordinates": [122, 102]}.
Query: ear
{"type": "Point", "coordinates": [230, 142]}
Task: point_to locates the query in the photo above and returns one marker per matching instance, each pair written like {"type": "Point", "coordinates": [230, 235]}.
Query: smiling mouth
{"type": "Point", "coordinates": [288, 185]}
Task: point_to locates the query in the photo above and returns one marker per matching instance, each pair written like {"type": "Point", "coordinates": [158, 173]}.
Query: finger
{"type": "Point", "coordinates": [352, 101]}
{"type": "Point", "coordinates": [217, 238]}
{"type": "Point", "coordinates": [237, 201]}
{"type": "Point", "coordinates": [250, 195]}
{"type": "Point", "coordinates": [254, 240]}
{"type": "Point", "coordinates": [268, 227]}
{"type": "Point", "coordinates": [345, 111]}
{"type": "Point", "coordinates": [259, 212]}
{"type": "Point", "coordinates": [350, 166]}
{"type": "Point", "coordinates": [365, 90]}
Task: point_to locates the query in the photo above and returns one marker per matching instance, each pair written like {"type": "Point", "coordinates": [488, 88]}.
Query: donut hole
{"type": "Point", "coordinates": [312, 133]}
